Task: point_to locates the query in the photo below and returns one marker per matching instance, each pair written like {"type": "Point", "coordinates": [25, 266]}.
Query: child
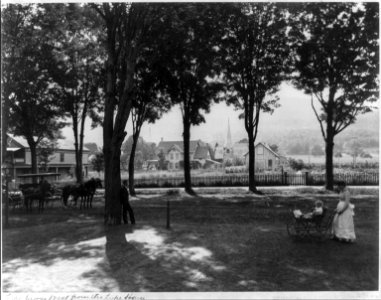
{"type": "Point", "coordinates": [317, 211]}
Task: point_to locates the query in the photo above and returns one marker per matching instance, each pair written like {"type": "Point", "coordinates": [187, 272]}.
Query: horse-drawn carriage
{"type": "Point", "coordinates": [41, 191]}
{"type": "Point", "coordinates": [35, 188]}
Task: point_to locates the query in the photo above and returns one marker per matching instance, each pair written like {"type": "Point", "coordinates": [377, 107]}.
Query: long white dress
{"type": "Point", "coordinates": [343, 227]}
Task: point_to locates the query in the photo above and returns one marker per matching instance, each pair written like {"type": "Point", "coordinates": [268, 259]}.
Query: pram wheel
{"type": "Point", "coordinates": [294, 229]}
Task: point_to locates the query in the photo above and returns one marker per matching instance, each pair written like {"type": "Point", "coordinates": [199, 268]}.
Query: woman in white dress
{"type": "Point", "coordinates": [343, 227]}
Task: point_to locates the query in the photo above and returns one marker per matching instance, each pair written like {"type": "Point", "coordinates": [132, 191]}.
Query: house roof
{"type": "Point", "coordinates": [21, 142]}
{"type": "Point", "coordinates": [17, 141]}
{"type": "Point", "coordinates": [267, 147]}
{"type": "Point", "coordinates": [167, 145]}
{"type": "Point", "coordinates": [202, 152]}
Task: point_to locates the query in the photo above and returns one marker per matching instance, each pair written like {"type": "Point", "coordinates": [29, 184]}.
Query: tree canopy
{"type": "Point", "coordinates": [28, 89]}
{"type": "Point", "coordinates": [255, 59]}
{"type": "Point", "coordinates": [337, 64]}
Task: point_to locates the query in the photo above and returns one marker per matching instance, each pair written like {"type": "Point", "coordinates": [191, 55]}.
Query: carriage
{"type": "Point", "coordinates": [316, 228]}
{"type": "Point", "coordinates": [43, 192]}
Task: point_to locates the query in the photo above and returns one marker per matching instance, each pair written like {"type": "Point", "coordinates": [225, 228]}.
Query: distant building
{"type": "Point", "coordinates": [62, 160]}
{"type": "Point", "coordinates": [151, 165]}
{"type": "Point", "coordinates": [266, 159]}
{"type": "Point", "coordinates": [224, 152]}
{"type": "Point", "coordinates": [200, 153]}
{"type": "Point", "coordinates": [240, 149]}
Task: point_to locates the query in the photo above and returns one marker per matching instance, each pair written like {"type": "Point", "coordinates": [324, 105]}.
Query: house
{"type": "Point", "coordinates": [173, 151]}
{"type": "Point", "coordinates": [150, 165]}
{"type": "Point", "coordinates": [266, 159]}
{"type": "Point", "coordinates": [62, 161]}
{"type": "Point", "coordinates": [204, 155]}
{"type": "Point", "coordinates": [240, 149]}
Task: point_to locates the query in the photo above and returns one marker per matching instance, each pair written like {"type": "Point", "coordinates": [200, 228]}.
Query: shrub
{"type": "Point", "coordinates": [173, 192]}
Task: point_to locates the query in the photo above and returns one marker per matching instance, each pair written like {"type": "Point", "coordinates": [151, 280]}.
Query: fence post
{"type": "Point", "coordinates": [306, 175]}
{"type": "Point", "coordinates": [285, 178]}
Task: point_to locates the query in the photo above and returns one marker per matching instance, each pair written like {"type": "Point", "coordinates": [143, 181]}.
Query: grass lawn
{"type": "Point", "coordinates": [219, 241]}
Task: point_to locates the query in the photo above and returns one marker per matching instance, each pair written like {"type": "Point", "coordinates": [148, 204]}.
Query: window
{"type": "Point", "coordinates": [259, 150]}
{"type": "Point", "coordinates": [270, 163]}
{"type": "Point", "coordinates": [176, 165]}
{"type": "Point", "coordinates": [62, 157]}
{"type": "Point", "coordinates": [171, 156]}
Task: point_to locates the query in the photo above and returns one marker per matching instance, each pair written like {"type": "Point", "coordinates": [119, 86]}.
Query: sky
{"type": "Point", "coordinates": [294, 112]}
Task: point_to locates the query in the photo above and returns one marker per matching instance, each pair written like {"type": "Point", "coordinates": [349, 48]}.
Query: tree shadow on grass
{"type": "Point", "coordinates": [146, 259]}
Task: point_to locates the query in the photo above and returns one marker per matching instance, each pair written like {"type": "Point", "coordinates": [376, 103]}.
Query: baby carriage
{"type": "Point", "coordinates": [314, 228]}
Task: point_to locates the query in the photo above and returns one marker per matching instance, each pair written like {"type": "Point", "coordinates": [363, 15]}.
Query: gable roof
{"type": "Point", "coordinates": [175, 147]}
{"type": "Point", "coordinates": [16, 141]}
{"type": "Point", "coordinates": [167, 145]}
{"type": "Point", "coordinates": [202, 152]}
{"type": "Point", "coordinates": [265, 146]}
{"type": "Point", "coordinates": [21, 142]}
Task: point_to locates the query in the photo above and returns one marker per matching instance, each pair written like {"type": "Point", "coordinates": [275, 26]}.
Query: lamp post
{"type": "Point", "coordinates": [5, 176]}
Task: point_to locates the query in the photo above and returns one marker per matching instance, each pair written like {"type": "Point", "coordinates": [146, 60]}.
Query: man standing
{"type": "Point", "coordinates": [126, 204]}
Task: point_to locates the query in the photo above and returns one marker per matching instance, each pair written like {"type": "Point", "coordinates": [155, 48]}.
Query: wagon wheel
{"type": "Point", "coordinates": [293, 229]}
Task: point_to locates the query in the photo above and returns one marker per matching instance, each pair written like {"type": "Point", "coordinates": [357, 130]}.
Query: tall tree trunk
{"type": "Point", "coordinates": [329, 144]}
{"type": "Point", "coordinates": [113, 131]}
{"type": "Point", "coordinates": [112, 207]}
{"type": "Point", "coordinates": [187, 167]}
{"type": "Point", "coordinates": [81, 134]}
{"type": "Point", "coordinates": [330, 134]}
{"type": "Point", "coordinates": [33, 154]}
{"type": "Point", "coordinates": [131, 164]}
{"type": "Point", "coordinates": [78, 165]}
{"type": "Point", "coordinates": [252, 185]}
{"type": "Point", "coordinates": [79, 162]}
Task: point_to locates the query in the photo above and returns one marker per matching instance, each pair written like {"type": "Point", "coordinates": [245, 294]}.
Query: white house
{"type": "Point", "coordinates": [266, 159]}
{"type": "Point", "coordinates": [200, 154]}
{"type": "Point", "coordinates": [62, 161]}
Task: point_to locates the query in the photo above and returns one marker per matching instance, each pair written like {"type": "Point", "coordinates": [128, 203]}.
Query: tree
{"type": "Point", "coordinates": [13, 20]}
{"type": "Point", "coordinates": [28, 88]}
{"type": "Point", "coordinates": [146, 150]}
{"type": "Point", "coordinates": [255, 58]}
{"type": "Point", "coordinates": [355, 150]}
{"type": "Point", "coordinates": [98, 162]}
{"type": "Point", "coordinates": [337, 64]}
{"type": "Point", "coordinates": [366, 155]}
{"type": "Point", "coordinates": [149, 100]}
{"type": "Point", "coordinates": [79, 60]}
{"type": "Point", "coordinates": [296, 164]}
{"type": "Point", "coordinates": [125, 25]}
{"type": "Point", "coordinates": [93, 147]}
{"type": "Point", "coordinates": [162, 161]}
{"type": "Point", "coordinates": [45, 149]}
{"type": "Point", "coordinates": [189, 66]}
{"type": "Point", "coordinates": [243, 141]}
{"type": "Point", "coordinates": [274, 147]}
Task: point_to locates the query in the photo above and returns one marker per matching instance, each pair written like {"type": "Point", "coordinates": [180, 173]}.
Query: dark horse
{"type": "Point", "coordinates": [85, 191]}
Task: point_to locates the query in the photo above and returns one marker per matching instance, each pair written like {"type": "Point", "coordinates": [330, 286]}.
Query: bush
{"type": "Point", "coordinates": [173, 192]}
{"type": "Point", "coordinates": [296, 164]}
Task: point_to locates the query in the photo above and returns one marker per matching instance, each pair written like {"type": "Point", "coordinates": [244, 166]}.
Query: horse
{"type": "Point", "coordinates": [85, 191]}
{"type": "Point", "coordinates": [90, 187]}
